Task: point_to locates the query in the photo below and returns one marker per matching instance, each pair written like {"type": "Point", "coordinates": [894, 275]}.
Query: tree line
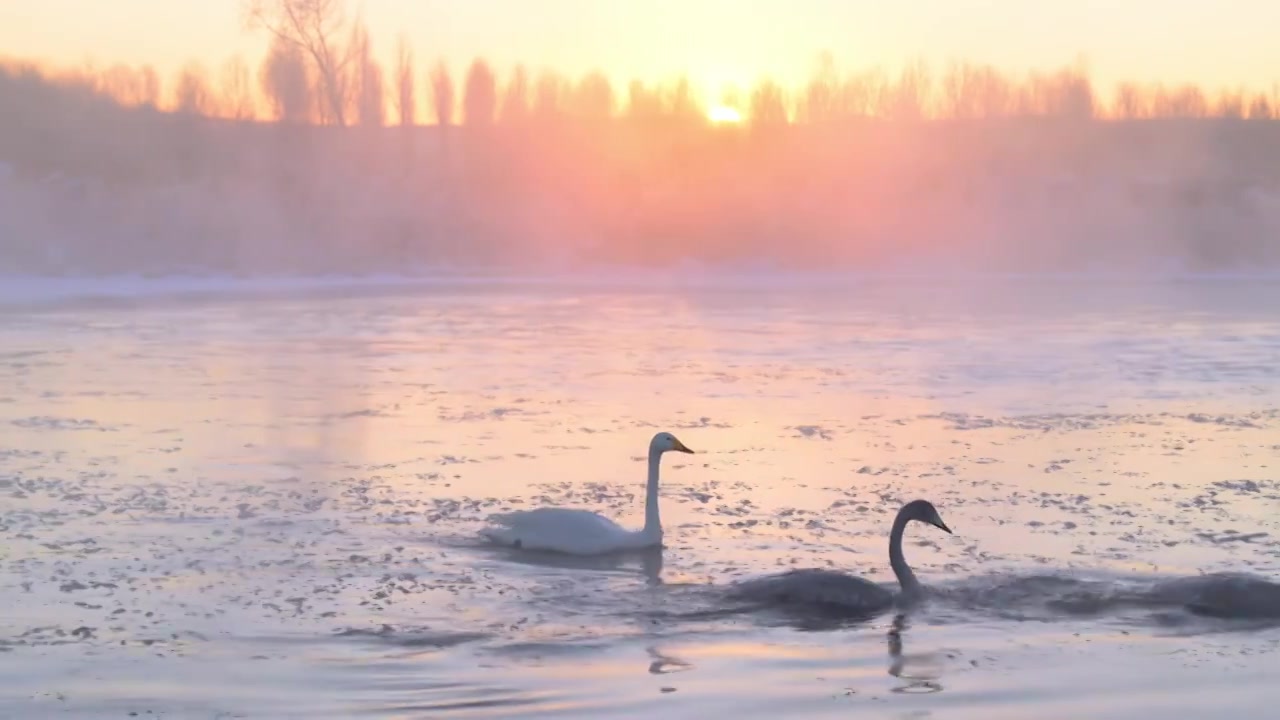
{"type": "Point", "coordinates": [288, 87]}
{"type": "Point", "coordinates": [320, 68]}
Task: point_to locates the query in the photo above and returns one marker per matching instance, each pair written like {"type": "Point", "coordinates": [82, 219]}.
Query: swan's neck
{"type": "Point", "coordinates": [652, 522]}
{"type": "Point", "coordinates": [906, 578]}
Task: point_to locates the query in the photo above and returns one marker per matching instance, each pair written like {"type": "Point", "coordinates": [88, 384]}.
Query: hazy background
{"type": "Point", "coordinates": [390, 137]}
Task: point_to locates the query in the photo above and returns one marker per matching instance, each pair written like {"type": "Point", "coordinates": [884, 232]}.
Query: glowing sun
{"type": "Point", "coordinates": [724, 115]}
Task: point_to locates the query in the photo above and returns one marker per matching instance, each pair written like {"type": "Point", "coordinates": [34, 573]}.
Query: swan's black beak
{"type": "Point", "coordinates": [679, 447]}
{"type": "Point", "coordinates": [937, 522]}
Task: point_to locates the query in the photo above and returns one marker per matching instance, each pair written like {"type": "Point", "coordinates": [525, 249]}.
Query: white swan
{"type": "Point", "coordinates": [581, 532]}
{"type": "Point", "coordinates": [835, 590]}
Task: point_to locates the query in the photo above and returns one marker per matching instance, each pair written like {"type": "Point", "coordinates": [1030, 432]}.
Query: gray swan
{"type": "Point", "coordinates": [832, 590]}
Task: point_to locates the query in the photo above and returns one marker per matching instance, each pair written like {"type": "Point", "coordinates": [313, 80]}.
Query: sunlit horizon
{"type": "Point", "coordinates": [713, 44]}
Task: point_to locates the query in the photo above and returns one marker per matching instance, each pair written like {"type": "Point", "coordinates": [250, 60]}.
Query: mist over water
{"type": "Point", "coordinates": [875, 174]}
{"type": "Point", "coordinates": [284, 200]}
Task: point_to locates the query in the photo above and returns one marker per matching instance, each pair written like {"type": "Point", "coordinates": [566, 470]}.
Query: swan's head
{"type": "Point", "coordinates": [924, 511]}
{"type": "Point", "coordinates": [666, 442]}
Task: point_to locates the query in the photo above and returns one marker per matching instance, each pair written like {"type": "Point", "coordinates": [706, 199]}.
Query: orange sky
{"type": "Point", "coordinates": [717, 42]}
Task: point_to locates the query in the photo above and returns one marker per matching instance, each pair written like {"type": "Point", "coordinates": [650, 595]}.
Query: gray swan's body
{"type": "Point", "coordinates": [830, 589]}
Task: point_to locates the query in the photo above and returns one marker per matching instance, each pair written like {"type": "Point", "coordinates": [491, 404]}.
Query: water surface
{"type": "Point", "coordinates": [266, 506]}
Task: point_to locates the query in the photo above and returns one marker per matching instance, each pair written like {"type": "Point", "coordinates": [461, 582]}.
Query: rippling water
{"type": "Point", "coordinates": [268, 506]}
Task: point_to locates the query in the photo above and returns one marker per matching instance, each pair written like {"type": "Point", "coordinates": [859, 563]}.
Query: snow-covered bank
{"type": "Point", "coordinates": [42, 291]}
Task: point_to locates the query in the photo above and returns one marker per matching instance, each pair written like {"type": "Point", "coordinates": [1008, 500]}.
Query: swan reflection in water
{"type": "Point", "coordinates": [921, 671]}
{"type": "Point", "coordinates": [647, 562]}
{"type": "Point", "coordinates": [662, 664]}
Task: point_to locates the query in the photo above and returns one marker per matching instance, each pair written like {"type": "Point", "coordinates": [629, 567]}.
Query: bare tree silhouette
{"type": "Point", "coordinates": [1230, 104]}
{"type": "Point", "coordinates": [442, 94]}
{"type": "Point", "coordinates": [959, 101]}
{"type": "Point", "coordinates": [131, 87]}
{"type": "Point", "coordinates": [370, 93]}
{"type": "Point", "coordinates": [192, 92]}
{"type": "Point", "coordinates": [682, 106]}
{"type": "Point", "coordinates": [593, 98]}
{"type": "Point", "coordinates": [1077, 100]}
{"type": "Point", "coordinates": [1187, 101]}
{"type": "Point", "coordinates": [284, 82]}
{"type": "Point", "coordinates": [974, 91]}
{"type": "Point", "coordinates": [867, 93]}
{"type": "Point", "coordinates": [994, 92]}
{"type": "Point", "coordinates": [643, 105]}
{"type": "Point", "coordinates": [480, 95]}
{"type": "Point", "coordinates": [1260, 108]}
{"type": "Point", "coordinates": [406, 98]}
{"type": "Point", "coordinates": [236, 89]}
{"type": "Point", "coordinates": [821, 100]}
{"type": "Point", "coordinates": [768, 107]}
{"type": "Point", "coordinates": [314, 27]}
{"type": "Point", "coordinates": [548, 96]}
{"type": "Point", "coordinates": [1130, 102]}
{"type": "Point", "coordinates": [515, 99]}
{"type": "Point", "coordinates": [910, 97]}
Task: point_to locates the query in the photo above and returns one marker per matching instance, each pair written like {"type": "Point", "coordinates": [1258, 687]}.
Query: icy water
{"type": "Point", "coordinates": [267, 506]}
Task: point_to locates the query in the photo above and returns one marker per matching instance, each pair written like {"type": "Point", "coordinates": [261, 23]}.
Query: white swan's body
{"type": "Point", "coordinates": [581, 532]}
{"type": "Point", "coordinates": [567, 530]}
{"type": "Point", "coordinates": [830, 589]}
